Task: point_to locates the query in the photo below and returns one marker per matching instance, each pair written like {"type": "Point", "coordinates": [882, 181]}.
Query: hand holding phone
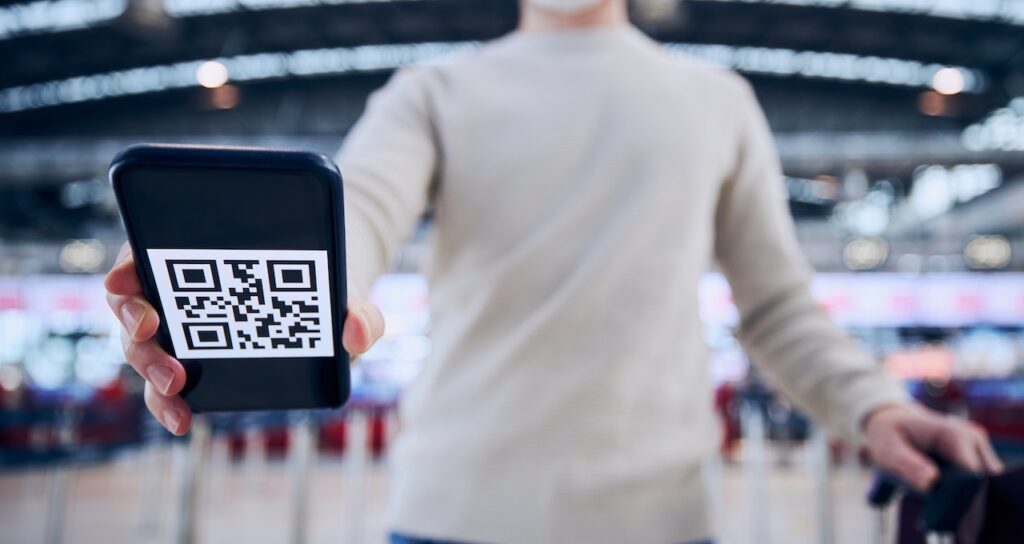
{"type": "Point", "coordinates": [232, 285]}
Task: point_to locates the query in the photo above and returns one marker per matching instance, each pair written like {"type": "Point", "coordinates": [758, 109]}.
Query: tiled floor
{"type": "Point", "coordinates": [131, 500]}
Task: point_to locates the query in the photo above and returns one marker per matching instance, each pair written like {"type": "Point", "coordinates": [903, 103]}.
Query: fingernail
{"type": "Point", "coordinates": [171, 419]}
{"type": "Point", "coordinates": [132, 313]}
{"type": "Point", "coordinates": [161, 377]}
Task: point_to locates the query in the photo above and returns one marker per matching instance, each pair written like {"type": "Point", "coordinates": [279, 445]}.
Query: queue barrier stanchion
{"type": "Point", "coordinates": [189, 482]}
{"type": "Point", "coordinates": [301, 450]}
{"type": "Point", "coordinates": [57, 501]}
{"type": "Point", "coordinates": [355, 476]}
{"type": "Point", "coordinates": [151, 481]}
{"type": "Point", "coordinates": [714, 476]}
{"type": "Point", "coordinates": [756, 462]}
{"type": "Point", "coordinates": [59, 479]}
{"type": "Point", "coordinates": [822, 467]}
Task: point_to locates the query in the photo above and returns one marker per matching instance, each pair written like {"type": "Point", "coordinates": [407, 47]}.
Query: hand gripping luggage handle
{"type": "Point", "coordinates": [945, 504]}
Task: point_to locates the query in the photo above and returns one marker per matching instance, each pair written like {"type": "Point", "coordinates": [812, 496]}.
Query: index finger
{"type": "Point", "coordinates": [956, 442]}
{"type": "Point", "coordinates": [122, 278]}
{"type": "Point", "coordinates": [989, 457]}
{"type": "Point", "coordinates": [901, 458]}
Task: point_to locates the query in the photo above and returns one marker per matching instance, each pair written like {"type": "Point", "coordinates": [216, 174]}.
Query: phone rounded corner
{"type": "Point", "coordinates": [325, 165]}
{"type": "Point", "coordinates": [344, 396]}
{"type": "Point", "coordinates": [123, 160]}
{"type": "Point", "coordinates": [324, 161]}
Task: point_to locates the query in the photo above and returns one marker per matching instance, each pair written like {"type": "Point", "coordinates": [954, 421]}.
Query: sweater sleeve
{"type": "Point", "coordinates": [387, 161]}
{"type": "Point", "coordinates": [782, 328]}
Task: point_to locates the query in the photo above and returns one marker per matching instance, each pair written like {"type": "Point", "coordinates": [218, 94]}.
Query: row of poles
{"type": "Point", "coordinates": [192, 464]}
{"type": "Point", "coordinates": [190, 467]}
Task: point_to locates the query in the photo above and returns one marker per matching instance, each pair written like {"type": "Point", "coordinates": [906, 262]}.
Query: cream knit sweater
{"type": "Point", "coordinates": [582, 183]}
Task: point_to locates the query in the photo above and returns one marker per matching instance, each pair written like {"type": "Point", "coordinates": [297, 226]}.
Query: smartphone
{"type": "Point", "coordinates": [242, 253]}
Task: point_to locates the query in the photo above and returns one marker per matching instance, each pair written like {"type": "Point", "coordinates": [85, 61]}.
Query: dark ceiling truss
{"type": "Point", "coordinates": [823, 126]}
{"type": "Point", "coordinates": [995, 48]}
{"type": "Point", "coordinates": [330, 103]}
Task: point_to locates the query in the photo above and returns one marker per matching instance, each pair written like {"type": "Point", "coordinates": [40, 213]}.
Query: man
{"type": "Point", "coordinates": [582, 180]}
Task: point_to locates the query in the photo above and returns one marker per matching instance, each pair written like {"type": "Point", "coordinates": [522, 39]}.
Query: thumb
{"type": "Point", "coordinates": [364, 325]}
{"type": "Point", "coordinates": [905, 461]}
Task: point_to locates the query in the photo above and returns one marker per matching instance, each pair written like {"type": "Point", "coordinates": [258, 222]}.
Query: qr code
{"type": "Point", "coordinates": [245, 303]}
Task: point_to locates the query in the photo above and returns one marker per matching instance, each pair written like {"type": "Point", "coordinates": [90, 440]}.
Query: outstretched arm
{"type": "Point", "coordinates": [793, 341]}
{"type": "Point", "coordinates": [388, 162]}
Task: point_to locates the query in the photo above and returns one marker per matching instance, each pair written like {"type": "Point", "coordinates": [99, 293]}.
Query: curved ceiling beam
{"type": "Point", "coordinates": [369, 58]}
{"type": "Point", "coordinates": [1010, 12]}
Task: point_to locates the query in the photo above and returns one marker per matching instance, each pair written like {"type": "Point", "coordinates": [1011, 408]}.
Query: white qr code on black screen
{"type": "Point", "coordinates": [245, 303]}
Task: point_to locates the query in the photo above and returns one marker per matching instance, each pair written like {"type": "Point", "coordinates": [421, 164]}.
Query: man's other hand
{"type": "Point", "coordinates": [899, 435]}
{"type": "Point", "coordinates": [164, 375]}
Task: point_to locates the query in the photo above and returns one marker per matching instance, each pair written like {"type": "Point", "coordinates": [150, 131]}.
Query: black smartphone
{"type": "Point", "coordinates": [242, 252]}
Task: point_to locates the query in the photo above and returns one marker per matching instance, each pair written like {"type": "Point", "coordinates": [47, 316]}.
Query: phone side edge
{"type": "Point", "coordinates": [335, 183]}
{"type": "Point", "coordinates": [121, 163]}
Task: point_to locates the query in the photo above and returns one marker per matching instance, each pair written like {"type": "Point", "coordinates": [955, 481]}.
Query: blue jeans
{"type": "Point", "coordinates": [396, 538]}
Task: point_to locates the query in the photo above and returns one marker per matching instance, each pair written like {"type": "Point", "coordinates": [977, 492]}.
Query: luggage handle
{"type": "Point", "coordinates": [944, 505]}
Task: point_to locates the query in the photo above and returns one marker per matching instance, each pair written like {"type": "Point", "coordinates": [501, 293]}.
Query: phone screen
{"type": "Point", "coordinates": [240, 264]}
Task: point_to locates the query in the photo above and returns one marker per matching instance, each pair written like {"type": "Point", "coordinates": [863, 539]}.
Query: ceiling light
{"type": "Point", "coordinates": [949, 81]}
{"type": "Point", "coordinates": [212, 74]}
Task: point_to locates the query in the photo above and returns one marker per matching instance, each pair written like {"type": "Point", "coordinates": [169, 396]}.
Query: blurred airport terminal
{"type": "Point", "coordinates": [900, 125]}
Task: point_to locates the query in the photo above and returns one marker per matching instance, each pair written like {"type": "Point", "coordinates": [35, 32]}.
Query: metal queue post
{"type": "Point", "coordinates": [756, 459]}
{"type": "Point", "coordinates": [355, 472]}
{"type": "Point", "coordinates": [822, 469]}
{"type": "Point", "coordinates": [714, 474]}
{"type": "Point", "coordinates": [755, 434]}
{"type": "Point", "coordinates": [255, 455]}
{"type": "Point", "coordinates": [151, 482]}
{"type": "Point", "coordinates": [301, 453]}
{"type": "Point", "coordinates": [191, 469]}
{"type": "Point", "coordinates": [57, 502]}
{"type": "Point", "coordinates": [60, 474]}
